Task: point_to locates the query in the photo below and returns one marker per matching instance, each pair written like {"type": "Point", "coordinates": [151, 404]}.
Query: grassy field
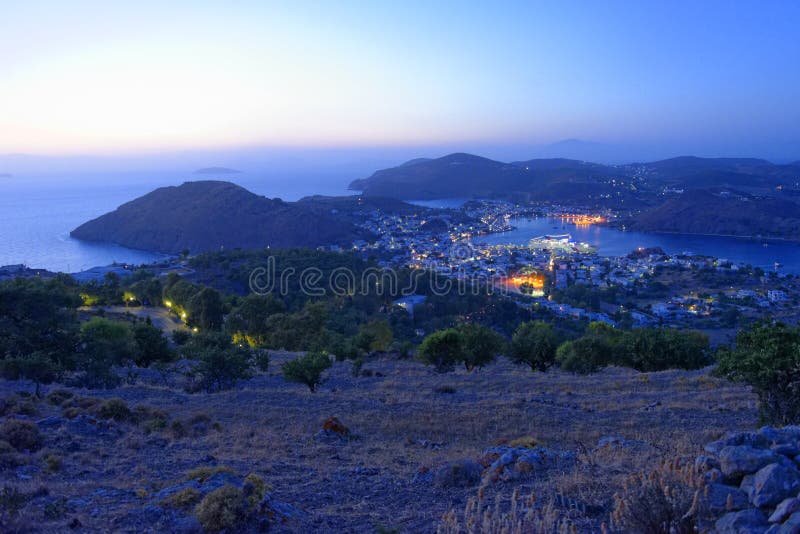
{"type": "Point", "coordinates": [405, 420]}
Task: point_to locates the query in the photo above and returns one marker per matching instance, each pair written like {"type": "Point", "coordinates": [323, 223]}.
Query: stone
{"type": "Point", "coordinates": [774, 483]}
{"type": "Point", "coordinates": [737, 439]}
{"type": "Point", "coordinates": [739, 460]}
{"type": "Point", "coordinates": [718, 495]}
{"type": "Point", "coordinates": [791, 525]}
{"type": "Point", "coordinates": [459, 474]}
{"type": "Point", "coordinates": [750, 521]}
{"type": "Point", "coordinates": [786, 449]}
{"type": "Point", "coordinates": [786, 508]}
{"type": "Point", "coordinates": [705, 463]}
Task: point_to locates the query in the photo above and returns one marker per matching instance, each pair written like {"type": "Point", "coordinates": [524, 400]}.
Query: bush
{"type": "Point", "coordinates": [307, 369]}
{"type": "Point", "coordinates": [221, 509]}
{"type": "Point", "coordinates": [661, 502]}
{"type": "Point", "coordinates": [534, 344]}
{"type": "Point", "coordinates": [116, 409]}
{"type": "Point", "coordinates": [442, 349]}
{"type": "Point", "coordinates": [22, 435]}
{"type": "Point", "coordinates": [767, 357]}
{"type": "Point", "coordinates": [181, 499]}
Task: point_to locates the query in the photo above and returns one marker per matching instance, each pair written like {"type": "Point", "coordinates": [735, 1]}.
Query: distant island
{"type": "Point", "coordinates": [6, 175]}
{"type": "Point", "coordinates": [217, 170]}
{"type": "Point", "coordinates": [211, 215]}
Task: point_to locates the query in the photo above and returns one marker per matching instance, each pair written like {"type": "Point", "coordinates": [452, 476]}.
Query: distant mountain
{"type": "Point", "coordinates": [466, 175]}
{"type": "Point", "coordinates": [208, 215]}
{"type": "Point", "coordinates": [575, 181]}
{"type": "Point", "coordinates": [723, 212]}
{"type": "Point", "coordinates": [6, 175]}
{"type": "Point", "coordinates": [217, 170]}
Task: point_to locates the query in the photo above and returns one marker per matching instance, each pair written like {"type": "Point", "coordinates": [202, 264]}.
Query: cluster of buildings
{"type": "Point", "coordinates": [550, 265]}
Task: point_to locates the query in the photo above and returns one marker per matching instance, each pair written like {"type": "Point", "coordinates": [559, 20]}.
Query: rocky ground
{"type": "Point", "coordinates": [407, 446]}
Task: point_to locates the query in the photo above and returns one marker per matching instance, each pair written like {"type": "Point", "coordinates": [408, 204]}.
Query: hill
{"type": "Point", "coordinates": [209, 215]}
{"type": "Point", "coordinates": [723, 212]}
{"type": "Point", "coordinates": [467, 175]}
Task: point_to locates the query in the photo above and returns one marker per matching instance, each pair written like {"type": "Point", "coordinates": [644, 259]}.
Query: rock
{"type": "Point", "coordinates": [786, 449]}
{"type": "Point", "coordinates": [509, 463]}
{"type": "Point", "coordinates": [748, 485]}
{"type": "Point", "coordinates": [460, 473]}
{"type": "Point", "coordinates": [713, 475]}
{"type": "Point", "coordinates": [750, 521]}
{"type": "Point", "coordinates": [738, 439]}
{"type": "Point", "coordinates": [786, 508]}
{"type": "Point", "coordinates": [791, 525]}
{"type": "Point", "coordinates": [705, 463]}
{"type": "Point", "coordinates": [718, 496]}
{"type": "Point", "coordinates": [738, 460]}
{"type": "Point", "coordinates": [774, 483]}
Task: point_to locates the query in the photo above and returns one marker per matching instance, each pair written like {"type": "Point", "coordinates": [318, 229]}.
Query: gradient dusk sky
{"type": "Point", "coordinates": [108, 76]}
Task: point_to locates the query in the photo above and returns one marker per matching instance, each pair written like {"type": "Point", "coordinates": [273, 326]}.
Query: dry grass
{"type": "Point", "coordinates": [400, 424]}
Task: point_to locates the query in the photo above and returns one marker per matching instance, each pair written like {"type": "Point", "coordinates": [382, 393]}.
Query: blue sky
{"type": "Point", "coordinates": [705, 77]}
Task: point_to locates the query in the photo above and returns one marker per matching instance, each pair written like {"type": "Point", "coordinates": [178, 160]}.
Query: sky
{"type": "Point", "coordinates": [678, 77]}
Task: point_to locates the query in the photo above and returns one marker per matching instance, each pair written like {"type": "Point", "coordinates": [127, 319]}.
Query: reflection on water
{"type": "Point", "coordinates": [613, 242]}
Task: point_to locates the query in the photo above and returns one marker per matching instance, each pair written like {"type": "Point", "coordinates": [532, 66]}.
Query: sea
{"type": "Point", "coordinates": [615, 242]}
{"type": "Point", "coordinates": [37, 214]}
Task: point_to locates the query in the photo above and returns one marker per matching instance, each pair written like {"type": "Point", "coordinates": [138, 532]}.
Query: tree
{"type": "Point", "coordinates": [151, 345]}
{"type": "Point", "coordinates": [307, 369]}
{"type": "Point", "coordinates": [248, 320]}
{"type": "Point", "coordinates": [481, 345]}
{"type": "Point", "coordinates": [221, 369]}
{"type": "Point", "coordinates": [375, 335]}
{"type": "Point", "coordinates": [534, 344]}
{"type": "Point", "coordinates": [205, 309]}
{"type": "Point", "coordinates": [442, 349]}
{"type": "Point", "coordinates": [38, 367]}
{"type": "Point", "coordinates": [585, 355]}
{"type": "Point", "coordinates": [767, 357]}
{"type": "Point", "coordinates": [104, 344]}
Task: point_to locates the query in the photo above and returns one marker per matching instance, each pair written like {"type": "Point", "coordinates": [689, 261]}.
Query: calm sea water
{"type": "Point", "coordinates": [38, 213]}
{"type": "Point", "coordinates": [613, 242]}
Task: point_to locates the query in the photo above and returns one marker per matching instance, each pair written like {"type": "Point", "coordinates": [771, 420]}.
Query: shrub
{"type": "Point", "coordinates": [767, 357]}
{"type": "Point", "coordinates": [307, 369]}
{"type": "Point", "coordinates": [445, 390]}
{"type": "Point", "coordinates": [221, 509]}
{"type": "Point", "coordinates": [442, 349]}
{"type": "Point", "coordinates": [116, 409]}
{"type": "Point", "coordinates": [534, 344]}
{"type": "Point", "coordinates": [665, 501]}
{"type": "Point", "coordinates": [22, 435]}
{"type": "Point", "coordinates": [59, 396]}
{"type": "Point", "coordinates": [53, 463]}
{"type": "Point", "coordinates": [181, 499]}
